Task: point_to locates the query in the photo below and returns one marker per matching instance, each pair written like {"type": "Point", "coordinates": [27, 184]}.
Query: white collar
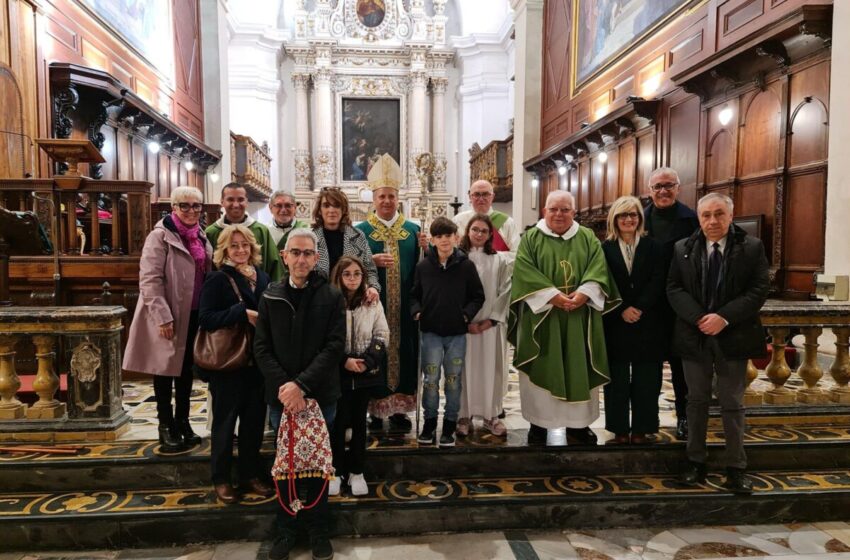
{"type": "Point", "coordinates": [389, 223]}
{"type": "Point", "coordinates": [284, 228]}
{"type": "Point", "coordinates": [721, 242]}
{"type": "Point", "coordinates": [569, 234]}
{"type": "Point", "coordinates": [247, 222]}
{"type": "Point", "coordinates": [292, 284]}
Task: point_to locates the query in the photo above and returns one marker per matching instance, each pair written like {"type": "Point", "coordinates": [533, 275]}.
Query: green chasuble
{"type": "Point", "coordinates": [561, 352]}
{"type": "Point", "coordinates": [396, 282]}
{"type": "Point", "coordinates": [271, 262]}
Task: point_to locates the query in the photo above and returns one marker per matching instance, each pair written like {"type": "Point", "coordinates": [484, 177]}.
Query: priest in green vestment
{"type": "Point", "coordinates": [561, 287]}
{"type": "Point", "coordinates": [283, 208]}
{"type": "Point", "coordinates": [396, 248]}
{"type": "Point", "coordinates": [234, 202]}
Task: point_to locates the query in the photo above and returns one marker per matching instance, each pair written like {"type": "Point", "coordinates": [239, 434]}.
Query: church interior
{"type": "Point", "coordinates": [108, 106]}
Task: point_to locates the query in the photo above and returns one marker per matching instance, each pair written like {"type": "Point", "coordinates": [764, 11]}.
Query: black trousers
{"type": "Point", "coordinates": [680, 386]}
{"type": "Point", "coordinates": [633, 385]}
{"type": "Point", "coordinates": [182, 385]}
{"type": "Point", "coordinates": [350, 413]}
{"type": "Point", "coordinates": [313, 520]}
{"type": "Point", "coordinates": [236, 395]}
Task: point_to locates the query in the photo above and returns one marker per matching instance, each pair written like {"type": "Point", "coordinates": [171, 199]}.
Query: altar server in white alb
{"type": "Point", "coordinates": [486, 343]}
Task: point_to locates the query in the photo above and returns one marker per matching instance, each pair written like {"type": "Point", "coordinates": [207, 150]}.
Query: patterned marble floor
{"type": "Point", "coordinates": [827, 541]}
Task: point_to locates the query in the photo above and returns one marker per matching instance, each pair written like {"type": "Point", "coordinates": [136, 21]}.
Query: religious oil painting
{"type": "Point", "coordinates": [370, 129]}
{"type": "Point", "coordinates": [145, 25]}
{"type": "Point", "coordinates": [371, 12]}
{"type": "Point", "coordinates": [605, 29]}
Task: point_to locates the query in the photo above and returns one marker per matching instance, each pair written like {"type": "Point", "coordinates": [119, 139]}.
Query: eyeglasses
{"type": "Point", "coordinates": [663, 186]}
{"type": "Point", "coordinates": [288, 206]}
{"type": "Point", "coordinates": [186, 206]}
{"type": "Point", "coordinates": [629, 215]}
{"type": "Point", "coordinates": [559, 210]}
{"type": "Point", "coordinates": [306, 253]}
{"type": "Point", "coordinates": [479, 231]}
{"type": "Point", "coordinates": [480, 195]}
{"type": "Point", "coordinates": [356, 274]}
{"type": "Point", "coordinates": [330, 189]}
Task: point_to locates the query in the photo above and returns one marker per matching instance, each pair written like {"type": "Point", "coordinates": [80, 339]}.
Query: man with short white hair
{"type": "Point", "coordinates": [283, 207]}
{"type": "Point", "coordinates": [481, 194]}
{"type": "Point", "coordinates": [561, 287]}
{"type": "Point", "coordinates": [717, 283]}
{"type": "Point", "coordinates": [667, 221]}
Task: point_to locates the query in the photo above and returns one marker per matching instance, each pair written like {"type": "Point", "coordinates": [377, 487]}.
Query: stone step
{"type": "Point", "coordinates": [137, 465]}
{"type": "Point", "coordinates": [180, 515]}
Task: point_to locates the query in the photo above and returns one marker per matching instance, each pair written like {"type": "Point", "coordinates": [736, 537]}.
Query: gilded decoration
{"type": "Point", "coordinates": [85, 361]}
{"type": "Point", "coordinates": [390, 238]}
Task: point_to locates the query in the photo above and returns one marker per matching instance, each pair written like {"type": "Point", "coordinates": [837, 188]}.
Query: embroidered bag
{"type": "Point", "coordinates": [303, 451]}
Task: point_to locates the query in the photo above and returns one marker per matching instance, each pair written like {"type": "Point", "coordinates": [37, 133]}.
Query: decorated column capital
{"type": "Point", "coordinates": [300, 81]}
{"type": "Point", "coordinates": [323, 76]}
{"type": "Point", "coordinates": [439, 85]}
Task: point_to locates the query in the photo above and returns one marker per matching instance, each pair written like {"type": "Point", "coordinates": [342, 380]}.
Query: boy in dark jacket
{"type": "Point", "coordinates": [446, 295]}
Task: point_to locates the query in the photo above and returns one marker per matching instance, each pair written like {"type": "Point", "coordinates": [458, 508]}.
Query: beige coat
{"type": "Point", "coordinates": [166, 282]}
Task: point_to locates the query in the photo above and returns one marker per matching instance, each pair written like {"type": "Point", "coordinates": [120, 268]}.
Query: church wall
{"type": "Point", "coordinates": [771, 158]}
{"type": "Point", "coordinates": [35, 34]}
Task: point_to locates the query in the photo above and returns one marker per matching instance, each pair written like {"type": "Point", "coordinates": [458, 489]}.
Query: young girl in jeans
{"type": "Point", "coordinates": [362, 370]}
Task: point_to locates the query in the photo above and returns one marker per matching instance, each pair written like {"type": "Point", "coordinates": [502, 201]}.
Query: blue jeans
{"type": "Point", "coordinates": [276, 413]}
{"type": "Point", "coordinates": [442, 353]}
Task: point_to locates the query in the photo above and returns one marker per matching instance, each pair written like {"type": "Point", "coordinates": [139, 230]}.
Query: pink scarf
{"type": "Point", "coordinates": [190, 235]}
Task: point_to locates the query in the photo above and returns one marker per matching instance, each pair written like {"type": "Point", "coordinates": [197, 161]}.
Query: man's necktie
{"type": "Point", "coordinates": [715, 261]}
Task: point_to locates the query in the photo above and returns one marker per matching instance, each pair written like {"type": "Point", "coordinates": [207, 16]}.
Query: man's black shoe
{"type": "Point", "coordinates": [502, 414]}
{"type": "Point", "coordinates": [375, 424]}
{"type": "Point", "coordinates": [321, 549]}
{"type": "Point", "coordinates": [693, 473]}
{"type": "Point", "coordinates": [400, 422]}
{"type": "Point", "coordinates": [283, 545]}
{"type": "Point", "coordinates": [682, 429]}
{"type": "Point", "coordinates": [581, 436]}
{"type": "Point", "coordinates": [428, 436]}
{"type": "Point", "coordinates": [738, 482]}
{"type": "Point", "coordinates": [536, 435]}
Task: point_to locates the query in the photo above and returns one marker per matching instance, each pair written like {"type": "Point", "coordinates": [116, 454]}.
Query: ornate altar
{"type": "Point", "coordinates": [369, 71]}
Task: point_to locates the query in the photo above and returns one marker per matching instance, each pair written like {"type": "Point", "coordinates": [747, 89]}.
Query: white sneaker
{"type": "Point", "coordinates": [334, 485]}
{"type": "Point", "coordinates": [358, 484]}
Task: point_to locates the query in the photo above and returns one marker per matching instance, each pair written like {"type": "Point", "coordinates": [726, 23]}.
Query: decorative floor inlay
{"type": "Point", "coordinates": [459, 490]}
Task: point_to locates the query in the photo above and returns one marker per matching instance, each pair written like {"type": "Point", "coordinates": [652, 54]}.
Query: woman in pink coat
{"type": "Point", "coordinates": [175, 258]}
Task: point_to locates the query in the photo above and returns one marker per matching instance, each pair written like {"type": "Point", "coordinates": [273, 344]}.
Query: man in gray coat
{"type": "Point", "coordinates": [717, 283]}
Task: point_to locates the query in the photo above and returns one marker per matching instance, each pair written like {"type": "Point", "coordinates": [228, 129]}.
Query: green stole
{"type": "Point", "coordinates": [561, 352]}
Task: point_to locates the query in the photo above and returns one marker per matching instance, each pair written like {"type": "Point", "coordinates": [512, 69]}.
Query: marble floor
{"type": "Point", "coordinates": [827, 541]}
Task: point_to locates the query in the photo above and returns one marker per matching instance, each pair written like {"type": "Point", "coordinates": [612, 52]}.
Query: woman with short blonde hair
{"type": "Point", "coordinates": [165, 322]}
{"type": "Point", "coordinates": [634, 333]}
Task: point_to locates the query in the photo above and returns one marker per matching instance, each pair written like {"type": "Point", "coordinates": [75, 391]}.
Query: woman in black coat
{"type": "Point", "coordinates": [236, 395]}
{"type": "Point", "coordinates": [634, 333]}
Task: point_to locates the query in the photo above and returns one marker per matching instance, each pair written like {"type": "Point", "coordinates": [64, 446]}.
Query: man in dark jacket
{"type": "Point", "coordinates": [298, 346]}
{"type": "Point", "coordinates": [667, 221]}
{"type": "Point", "coordinates": [717, 283]}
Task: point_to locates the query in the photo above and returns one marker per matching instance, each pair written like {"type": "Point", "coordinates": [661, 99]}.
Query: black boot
{"type": "Point", "coordinates": [447, 438]}
{"type": "Point", "coordinates": [429, 432]}
{"type": "Point", "coordinates": [682, 429]}
{"type": "Point", "coordinates": [400, 423]}
{"type": "Point", "coordinates": [581, 436]}
{"type": "Point", "coordinates": [536, 435]}
{"type": "Point", "coordinates": [170, 440]}
{"type": "Point", "coordinates": [190, 438]}
{"type": "Point", "coordinates": [375, 424]}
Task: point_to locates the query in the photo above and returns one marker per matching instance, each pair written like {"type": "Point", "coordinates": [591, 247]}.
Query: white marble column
{"type": "Point", "coordinates": [837, 257]}
{"type": "Point", "coordinates": [323, 162]}
{"type": "Point", "coordinates": [301, 154]}
{"type": "Point", "coordinates": [528, 28]}
{"type": "Point", "coordinates": [438, 142]}
{"type": "Point", "coordinates": [416, 123]}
